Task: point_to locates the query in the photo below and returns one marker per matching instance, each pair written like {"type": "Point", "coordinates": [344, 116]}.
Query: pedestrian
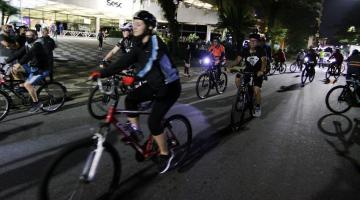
{"type": "Point", "coordinates": [53, 30]}
{"type": "Point", "coordinates": [61, 29]}
{"type": "Point", "coordinates": [38, 28]}
{"type": "Point", "coordinates": [187, 59]}
{"type": "Point", "coordinates": [321, 58]}
{"type": "Point", "coordinates": [49, 46]}
{"type": "Point", "coordinates": [100, 37]}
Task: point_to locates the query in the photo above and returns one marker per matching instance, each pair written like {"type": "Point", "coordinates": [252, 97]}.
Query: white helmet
{"type": "Point", "coordinates": [127, 26]}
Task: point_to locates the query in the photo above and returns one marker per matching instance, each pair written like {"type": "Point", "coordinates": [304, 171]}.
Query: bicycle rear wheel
{"type": "Point", "coordinates": [203, 86]}
{"type": "Point", "coordinates": [179, 137]}
{"type": "Point", "coordinates": [99, 103]}
{"type": "Point", "coordinates": [328, 73]}
{"type": "Point", "coordinates": [339, 99]}
{"type": "Point", "coordinates": [311, 75]}
{"type": "Point", "coordinates": [272, 69]}
{"type": "Point", "coordinates": [222, 83]}
{"type": "Point", "coordinates": [52, 95]}
{"type": "Point", "coordinates": [4, 105]}
{"type": "Point", "coordinates": [63, 180]}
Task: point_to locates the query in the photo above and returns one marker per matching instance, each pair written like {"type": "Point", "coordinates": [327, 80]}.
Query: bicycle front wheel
{"type": "Point", "coordinates": [222, 83]}
{"type": "Point", "coordinates": [311, 75]}
{"type": "Point", "coordinates": [64, 177]}
{"type": "Point", "coordinates": [99, 103]}
{"type": "Point", "coordinates": [272, 69]}
{"type": "Point", "coordinates": [293, 67]}
{"type": "Point", "coordinates": [203, 86]}
{"type": "Point", "coordinates": [179, 137]}
{"type": "Point", "coordinates": [52, 96]}
{"type": "Point", "coordinates": [238, 111]}
{"type": "Point", "coordinates": [4, 105]}
{"type": "Point", "coordinates": [339, 99]}
{"type": "Point", "coordinates": [304, 76]}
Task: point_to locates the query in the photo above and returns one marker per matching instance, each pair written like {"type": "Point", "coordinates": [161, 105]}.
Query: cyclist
{"type": "Point", "coordinates": [339, 58]}
{"type": "Point", "coordinates": [353, 64]}
{"type": "Point", "coordinates": [255, 61]}
{"type": "Point", "coordinates": [267, 48]}
{"type": "Point", "coordinates": [125, 44]}
{"type": "Point", "coordinates": [218, 52]}
{"type": "Point", "coordinates": [34, 62]}
{"type": "Point", "coordinates": [321, 58]}
{"type": "Point", "coordinates": [7, 45]}
{"type": "Point", "coordinates": [300, 58]}
{"type": "Point", "coordinates": [313, 57]}
{"type": "Point", "coordinates": [280, 58]}
{"type": "Point", "coordinates": [156, 70]}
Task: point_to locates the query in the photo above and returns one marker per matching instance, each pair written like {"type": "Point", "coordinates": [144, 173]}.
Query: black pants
{"type": "Point", "coordinates": [100, 42]}
{"type": "Point", "coordinates": [163, 100]}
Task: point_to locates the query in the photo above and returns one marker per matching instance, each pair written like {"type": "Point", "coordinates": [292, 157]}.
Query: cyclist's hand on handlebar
{"type": "Point", "coordinates": [94, 75]}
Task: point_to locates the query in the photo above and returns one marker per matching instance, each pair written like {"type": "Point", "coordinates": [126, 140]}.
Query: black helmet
{"type": "Point", "coordinates": [148, 18]}
{"type": "Point", "coordinates": [255, 36]}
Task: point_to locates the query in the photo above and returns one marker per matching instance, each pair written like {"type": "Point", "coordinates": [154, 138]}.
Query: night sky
{"type": "Point", "coordinates": [334, 11]}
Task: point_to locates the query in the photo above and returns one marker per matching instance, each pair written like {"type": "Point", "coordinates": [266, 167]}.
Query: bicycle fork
{"type": "Point", "coordinates": [93, 160]}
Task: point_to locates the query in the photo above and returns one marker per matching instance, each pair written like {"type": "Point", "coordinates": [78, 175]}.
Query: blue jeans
{"type": "Point", "coordinates": [35, 75]}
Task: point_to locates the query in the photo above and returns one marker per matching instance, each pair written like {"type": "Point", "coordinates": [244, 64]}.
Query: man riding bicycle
{"type": "Point", "coordinates": [218, 52]}
{"type": "Point", "coordinates": [161, 83]}
{"type": "Point", "coordinates": [255, 61]}
{"type": "Point", "coordinates": [300, 58]}
{"type": "Point", "coordinates": [33, 61]}
{"type": "Point", "coordinates": [339, 58]}
{"type": "Point", "coordinates": [125, 44]}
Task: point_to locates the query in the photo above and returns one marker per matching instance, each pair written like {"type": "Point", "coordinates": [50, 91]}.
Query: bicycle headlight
{"type": "Point", "coordinates": [206, 61]}
{"type": "Point", "coordinates": [306, 59]}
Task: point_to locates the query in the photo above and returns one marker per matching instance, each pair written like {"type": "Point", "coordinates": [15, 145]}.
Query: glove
{"type": "Point", "coordinates": [128, 80]}
{"type": "Point", "coordinates": [94, 75]}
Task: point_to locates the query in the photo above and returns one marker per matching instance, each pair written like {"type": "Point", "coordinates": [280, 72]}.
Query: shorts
{"type": "Point", "coordinates": [34, 74]}
{"type": "Point", "coordinates": [258, 81]}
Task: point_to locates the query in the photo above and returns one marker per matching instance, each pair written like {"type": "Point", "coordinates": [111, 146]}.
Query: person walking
{"type": "Point", "coordinates": [100, 37]}
{"type": "Point", "coordinates": [49, 46]}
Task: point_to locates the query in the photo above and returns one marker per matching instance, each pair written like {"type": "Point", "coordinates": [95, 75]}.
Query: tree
{"type": "Point", "coordinates": [239, 20]}
{"type": "Point", "coordinates": [169, 8]}
{"type": "Point", "coordinates": [6, 10]}
{"type": "Point", "coordinates": [349, 30]}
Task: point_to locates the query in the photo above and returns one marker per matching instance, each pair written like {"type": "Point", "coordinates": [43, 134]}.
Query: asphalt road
{"type": "Point", "coordinates": [291, 152]}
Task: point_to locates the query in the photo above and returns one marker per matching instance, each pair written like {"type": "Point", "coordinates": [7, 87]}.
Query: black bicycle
{"type": "Point", "coordinates": [308, 72]}
{"type": "Point", "coordinates": [210, 79]}
{"type": "Point", "coordinates": [244, 100]}
{"type": "Point", "coordinates": [296, 65]}
{"type": "Point", "coordinates": [342, 97]}
{"type": "Point", "coordinates": [332, 71]}
{"type": "Point", "coordinates": [51, 94]}
{"type": "Point", "coordinates": [91, 168]}
{"type": "Point", "coordinates": [281, 68]}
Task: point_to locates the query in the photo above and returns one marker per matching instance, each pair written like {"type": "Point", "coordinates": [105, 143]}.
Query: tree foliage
{"type": "Point", "coordinates": [6, 10]}
{"type": "Point", "coordinates": [349, 30]}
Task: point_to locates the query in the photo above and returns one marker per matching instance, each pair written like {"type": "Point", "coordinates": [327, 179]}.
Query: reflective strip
{"type": "Point", "coordinates": [147, 68]}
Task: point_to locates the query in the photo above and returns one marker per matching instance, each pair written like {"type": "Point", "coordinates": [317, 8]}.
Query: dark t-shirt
{"type": "Point", "coordinates": [253, 60]}
{"type": "Point", "coordinates": [21, 39]}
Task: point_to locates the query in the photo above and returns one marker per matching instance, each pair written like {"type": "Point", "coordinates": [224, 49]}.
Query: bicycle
{"type": "Point", "coordinates": [51, 94]}
{"type": "Point", "coordinates": [308, 72]}
{"type": "Point", "coordinates": [244, 100]}
{"type": "Point", "coordinates": [100, 160]}
{"type": "Point", "coordinates": [278, 67]}
{"type": "Point", "coordinates": [342, 97]}
{"type": "Point", "coordinates": [210, 79]}
{"type": "Point", "coordinates": [296, 65]}
{"type": "Point", "coordinates": [332, 71]}
{"type": "Point", "coordinates": [98, 102]}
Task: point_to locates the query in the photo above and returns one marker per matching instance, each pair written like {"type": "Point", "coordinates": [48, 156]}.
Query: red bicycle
{"type": "Point", "coordinates": [91, 168]}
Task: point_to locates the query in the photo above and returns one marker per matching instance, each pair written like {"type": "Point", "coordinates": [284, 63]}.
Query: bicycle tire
{"type": "Point", "coordinates": [202, 83]}
{"type": "Point", "coordinates": [51, 173]}
{"type": "Point", "coordinates": [181, 149]}
{"type": "Point", "coordinates": [328, 73]}
{"type": "Point", "coordinates": [293, 67]}
{"type": "Point", "coordinates": [51, 100]}
{"type": "Point", "coordinates": [312, 75]}
{"type": "Point", "coordinates": [238, 111]}
{"type": "Point", "coordinates": [304, 76]}
{"type": "Point", "coordinates": [346, 97]}
{"type": "Point", "coordinates": [272, 69]}
{"type": "Point", "coordinates": [283, 68]}
{"type": "Point", "coordinates": [5, 106]}
{"type": "Point", "coordinates": [104, 99]}
{"type": "Point", "coordinates": [223, 82]}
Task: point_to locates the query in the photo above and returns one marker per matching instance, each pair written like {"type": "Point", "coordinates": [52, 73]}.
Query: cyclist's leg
{"type": "Point", "coordinates": [218, 71]}
{"type": "Point", "coordinates": [161, 106]}
{"type": "Point", "coordinates": [134, 98]}
{"type": "Point", "coordinates": [257, 89]}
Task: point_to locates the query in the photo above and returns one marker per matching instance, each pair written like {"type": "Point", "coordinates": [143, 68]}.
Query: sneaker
{"type": "Point", "coordinates": [35, 107]}
{"type": "Point", "coordinates": [257, 111]}
{"type": "Point", "coordinates": [164, 162]}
